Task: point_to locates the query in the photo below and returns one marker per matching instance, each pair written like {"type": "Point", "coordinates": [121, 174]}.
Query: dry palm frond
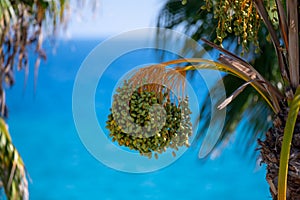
{"type": "Point", "coordinates": [293, 38]}
{"type": "Point", "coordinates": [242, 65]}
{"type": "Point", "coordinates": [275, 40]}
{"type": "Point", "coordinates": [283, 23]}
{"type": "Point", "coordinates": [229, 99]}
{"type": "Point", "coordinates": [21, 26]}
{"type": "Point", "coordinates": [12, 169]}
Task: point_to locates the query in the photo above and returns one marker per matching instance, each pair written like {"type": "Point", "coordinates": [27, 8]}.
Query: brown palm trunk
{"type": "Point", "coordinates": [270, 152]}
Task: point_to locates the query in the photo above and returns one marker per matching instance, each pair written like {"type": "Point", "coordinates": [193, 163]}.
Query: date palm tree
{"type": "Point", "coordinates": [243, 26]}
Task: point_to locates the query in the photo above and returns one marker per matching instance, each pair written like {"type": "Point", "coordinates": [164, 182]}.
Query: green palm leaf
{"type": "Point", "coordinates": [12, 169]}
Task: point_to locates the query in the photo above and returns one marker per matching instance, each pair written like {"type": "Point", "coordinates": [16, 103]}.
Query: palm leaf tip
{"type": "Point", "coordinates": [236, 93]}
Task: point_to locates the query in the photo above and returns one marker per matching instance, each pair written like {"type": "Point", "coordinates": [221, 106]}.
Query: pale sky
{"type": "Point", "coordinates": [113, 17]}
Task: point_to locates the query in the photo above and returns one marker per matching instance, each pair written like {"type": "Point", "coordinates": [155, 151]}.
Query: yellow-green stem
{"type": "Point", "coordinates": [286, 145]}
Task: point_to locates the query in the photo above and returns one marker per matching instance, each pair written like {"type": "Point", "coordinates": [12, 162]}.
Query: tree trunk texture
{"type": "Point", "coordinates": [270, 153]}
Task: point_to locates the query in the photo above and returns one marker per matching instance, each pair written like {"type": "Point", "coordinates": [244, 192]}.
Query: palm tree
{"type": "Point", "coordinates": [280, 148]}
{"type": "Point", "coordinates": [275, 80]}
{"type": "Point", "coordinates": [22, 26]}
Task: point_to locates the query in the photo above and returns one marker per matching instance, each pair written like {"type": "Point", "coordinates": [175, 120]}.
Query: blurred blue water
{"type": "Point", "coordinates": [60, 167]}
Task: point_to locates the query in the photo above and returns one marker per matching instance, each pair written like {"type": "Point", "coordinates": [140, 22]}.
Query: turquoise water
{"type": "Point", "coordinates": [60, 167]}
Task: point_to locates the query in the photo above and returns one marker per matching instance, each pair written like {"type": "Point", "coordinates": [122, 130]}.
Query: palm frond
{"type": "Point", "coordinates": [12, 169]}
{"type": "Point", "coordinates": [237, 61]}
{"type": "Point", "coordinates": [283, 23]}
{"type": "Point", "coordinates": [238, 91]}
{"type": "Point", "coordinates": [247, 106]}
{"type": "Point", "coordinates": [271, 96]}
{"type": "Point", "coordinates": [281, 58]}
{"type": "Point", "coordinates": [293, 37]}
{"type": "Point", "coordinates": [199, 24]}
{"type": "Point", "coordinates": [21, 24]}
{"type": "Point", "coordinates": [244, 72]}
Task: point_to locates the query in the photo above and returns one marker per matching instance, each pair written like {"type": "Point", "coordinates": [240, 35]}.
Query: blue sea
{"type": "Point", "coordinates": [61, 168]}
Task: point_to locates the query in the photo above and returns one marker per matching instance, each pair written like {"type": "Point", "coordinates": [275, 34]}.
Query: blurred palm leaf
{"type": "Point", "coordinates": [23, 25]}
{"type": "Point", "coordinates": [201, 24]}
{"type": "Point", "coordinates": [12, 169]}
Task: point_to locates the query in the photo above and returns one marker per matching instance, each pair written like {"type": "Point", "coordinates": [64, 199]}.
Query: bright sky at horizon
{"type": "Point", "coordinates": [112, 17]}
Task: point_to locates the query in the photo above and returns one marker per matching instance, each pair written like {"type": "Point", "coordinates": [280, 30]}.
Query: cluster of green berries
{"type": "Point", "coordinates": [239, 17]}
{"type": "Point", "coordinates": [148, 122]}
